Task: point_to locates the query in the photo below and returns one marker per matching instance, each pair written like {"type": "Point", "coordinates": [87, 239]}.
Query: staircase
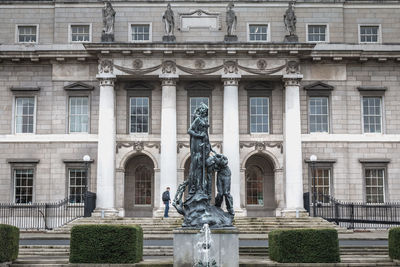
{"type": "Point", "coordinates": [57, 256]}
{"type": "Point", "coordinates": [161, 228]}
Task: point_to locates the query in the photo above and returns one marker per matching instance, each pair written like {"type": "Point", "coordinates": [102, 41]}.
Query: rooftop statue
{"type": "Point", "coordinates": [108, 22]}
{"type": "Point", "coordinates": [169, 21]}
{"type": "Point", "coordinates": [290, 23]}
{"type": "Point", "coordinates": [196, 207]}
{"type": "Point", "coordinates": [231, 20]}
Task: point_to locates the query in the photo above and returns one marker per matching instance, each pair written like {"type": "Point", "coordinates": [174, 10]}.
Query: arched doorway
{"type": "Point", "coordinates": [260, 187]}
{"type": "Point", "coordinates": [186, 175]}
{"type": "Point", "coordinates": [139, 187]}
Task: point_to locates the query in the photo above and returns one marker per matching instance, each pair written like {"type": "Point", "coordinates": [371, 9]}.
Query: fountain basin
{"type": "Point", "coordinates": [223, 247]}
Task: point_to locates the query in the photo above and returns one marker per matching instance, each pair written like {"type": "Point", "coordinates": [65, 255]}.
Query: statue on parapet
{"type": "Point", "coordinates": [290, 20]}
{"type": "Point", "coordinates": [107, 34]}
{"type": "Point", "coordinates": [231, 21]}
{"type": "Point", "coordinates": [169, 23]}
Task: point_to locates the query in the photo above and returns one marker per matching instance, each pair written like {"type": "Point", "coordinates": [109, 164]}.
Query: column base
{"type": "Point", "coordinates": [105, 213]}
{"type": "Point", "coordinates": [297, 213]}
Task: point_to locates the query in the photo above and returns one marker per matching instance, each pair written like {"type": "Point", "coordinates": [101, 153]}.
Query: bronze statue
{"type": "Point", "coordinates": [108, 22]}
{"type": "Point", "coordinates": [231, 20]}
{"type": "Point", "coordinates": [196, 207]}
{"type": "Point", "coordinates": [169, 21]}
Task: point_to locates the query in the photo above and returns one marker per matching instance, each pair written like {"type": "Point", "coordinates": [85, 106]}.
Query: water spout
{"type": "Point", "coordinates": [204, 249]}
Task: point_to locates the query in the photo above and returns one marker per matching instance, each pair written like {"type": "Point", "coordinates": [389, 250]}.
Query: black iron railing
{"type": "Point", "coordinates": [45, 216]}
{"type": "Point", "coordinates": [353, 215]}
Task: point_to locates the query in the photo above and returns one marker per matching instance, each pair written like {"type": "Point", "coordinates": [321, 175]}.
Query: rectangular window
{"type": "Point", "coordinates": [258, 33]}
{"type": "Point", "coordinates": [77, 184]}
{"type": "Point", "coordinates": [24, 114]}
{"type": "Point", "coordinates": [195, 103]}
{"type": "Point", "coordinates": [317, 33]}
{"type": "Point", "coordinates": [139, 114]}
{"type": "Point", "coordinates": [80, 33]}
{"type": "Point", "coordinates": [27, 34]}
{"type": "Point", "coordinates": [318, 114]}
{"type": "Point", "coordinates": [259, 114]}
{"type": "Point", "coordinates": [79, 114]}
{"type": "Point", "coordinates": [322, 182]}
{"type": "Point", "coordinates": [374, 185]}
{"type": "Point", "coordinates": [140, 33]}
{"type": "Point", "coordinates": [23, 185]}
{"type": "Point", "coordinates": [372, 114]}
{"type": "Point", "coordinates": [369, 34]}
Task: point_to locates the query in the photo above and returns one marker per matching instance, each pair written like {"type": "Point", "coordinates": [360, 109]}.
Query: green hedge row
{"type": "Point", "coordinates": [304, 245]}
{"type": "Point", "coordinates": [394, 243]}
{"type": "Point", "coordinates": [9, 242]}
{"type": "Point", "coordinates": [106, 244]}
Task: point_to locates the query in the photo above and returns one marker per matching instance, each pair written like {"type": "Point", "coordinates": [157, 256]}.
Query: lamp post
{"type": "Point", "coordinates": [86, 160]}
{"type": "Point", "coordinates": [313, 159]}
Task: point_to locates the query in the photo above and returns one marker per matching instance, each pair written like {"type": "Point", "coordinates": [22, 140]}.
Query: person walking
{"type": "Point", "coordinates": [166, 199]}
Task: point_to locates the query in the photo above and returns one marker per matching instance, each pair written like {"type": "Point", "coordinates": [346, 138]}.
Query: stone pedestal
{"type": "Point", "coordinates": [291, 39]}
{"type": "Point", "coordinates": [224, 247]}
{"type": "Point", "coordinates": [169, 39]}
{"type": "Point", "coordinates": [230, 38]}
{"type": "Point", "coordinates": [107, 37]}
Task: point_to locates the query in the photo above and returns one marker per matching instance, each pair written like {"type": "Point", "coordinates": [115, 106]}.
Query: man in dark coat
{"type": "Point", "coordinates": [166, 199]}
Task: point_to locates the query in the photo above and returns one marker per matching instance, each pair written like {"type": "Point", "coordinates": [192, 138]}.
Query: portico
{"type": "Point", "coordinates": [169, 148]}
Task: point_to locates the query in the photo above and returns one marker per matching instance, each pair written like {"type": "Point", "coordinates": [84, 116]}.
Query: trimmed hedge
{"type": "Point", "coordinates": [304, 245]}
{"type": "Point", "coordinates": [9, 242]}
{"type": "Point", "coordinates": [106, 244]}
{"type": "Point", "coordinates": [394, 243]}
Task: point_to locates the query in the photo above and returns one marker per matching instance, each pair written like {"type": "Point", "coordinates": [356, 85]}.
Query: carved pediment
{"type": "Point", "coordinates": [319, 86]}
{"type": "Point", "coordinates": [138, 86]}
{"type": "Point", "coordinates": [258, 86]}
{"type": "Point", "coordinates": [78, 86]}
{"type": "Point", "coordinates": [199, 86]}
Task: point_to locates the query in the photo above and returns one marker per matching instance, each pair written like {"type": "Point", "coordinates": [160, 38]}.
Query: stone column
{"type": "Point", "coordinates": [105, 202]}
{"type": "Point", "coordinates": [231, 134]}
{"type": "Point", "coordinates": [168, 166]}
{"type": "Point", "coordinates": [292, 143]}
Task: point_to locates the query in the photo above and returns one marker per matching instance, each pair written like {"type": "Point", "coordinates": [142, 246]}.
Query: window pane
{"type": "Point", "coordinates": [259, 114]}
{"type": "Point", "coordinates": [258, 32]}
{"type": "Point", "coordinates": [24, 114]}
{"type": "Point", "coordinates": [140, 32]}
{"type": "Point", "coordinates": [143, 185]}
{"type": "Point", "coordinates": [139, 114]}
{"type": "Point", "coordinates": [372, 110]}
{"type": "Point", "coordinates": [321, 181]}
{"type": "Point", "coordinates": [316, 33]}
{"type": "Point", "coordinates": [23, 185]}
{"type": "Point", "coordinates": [80, 33]}
{"type": "Point", "coordinates": [27, 34]}
{"type": "Point", "coordinates": [78, 114]}
{"type": "Point", "coordinates": [369, 34]}
{"type": "Point", "coordinates": [254, 186]}
{"type": "Point", "coordinates": [374, 182]}
{"type": "Point", "coordinates": [318, 114]}
{"type": "Point", "coordinates": [77, 184]}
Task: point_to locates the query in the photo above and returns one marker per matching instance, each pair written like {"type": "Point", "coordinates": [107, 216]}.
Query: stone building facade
{"type": "Point", "coordinates": [128, 104]}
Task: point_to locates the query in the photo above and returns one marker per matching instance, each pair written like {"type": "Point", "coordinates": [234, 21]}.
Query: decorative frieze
{"type": "Point", "coordinates": [138, 145]}
{"type": "Point", "coordinates": [260, 146]}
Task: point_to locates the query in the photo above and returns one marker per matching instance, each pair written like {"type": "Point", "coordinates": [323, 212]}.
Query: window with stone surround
{"type": "Point", "coordinates": [140, 32]}
{"type": "Point", "coordinates": [27, 33]}
{"type": "Point", "coordinates": [259, 114]}
{"type": "Point", "coordinates": [139, 114]}
{"type": "Point", "coordinates": [258, 32]}
{"type": "Point", "coordinates": [79, 114]}
{"type": "Point", "coordinates": [23, 175]}
{"type": "Point", "coordinates": [318, 114]}
{"type": "Point", "coordinates": [317, 33]}
{"type": "Point", "coordinates": [372, 114]}
{"type": "Point", "coordinates": [80, 33]}
{"type": "Point", "coordinates": [375, 180]}
{"type": "Point", "coordinates": [369, 33]}
{"type": "Point", "coordinates": [77, 184]}
{"type": "Point", "coordinates": [25, 112]}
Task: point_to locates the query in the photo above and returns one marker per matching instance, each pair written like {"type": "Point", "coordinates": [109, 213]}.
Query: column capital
{"type": "Point", "coordinates": [231, 78]}
{"type": "Point", "coordinates": [168, 79]}
{"type": "Point", "coordinates": [106, 74]}
{"type": "Point", "coordinates": [292, 79]}
{"type": "Point", "coordinates": [106, 79]}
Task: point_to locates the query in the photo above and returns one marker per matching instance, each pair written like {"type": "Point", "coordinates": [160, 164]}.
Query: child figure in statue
{"type": "Point", "coordinates": [223, 183]}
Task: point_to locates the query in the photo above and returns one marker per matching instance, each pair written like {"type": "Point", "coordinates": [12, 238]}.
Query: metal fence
{"type": "Point", "coordinates": [45, 216]}
{"type": "Point", "coordinates": [356, 215]}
